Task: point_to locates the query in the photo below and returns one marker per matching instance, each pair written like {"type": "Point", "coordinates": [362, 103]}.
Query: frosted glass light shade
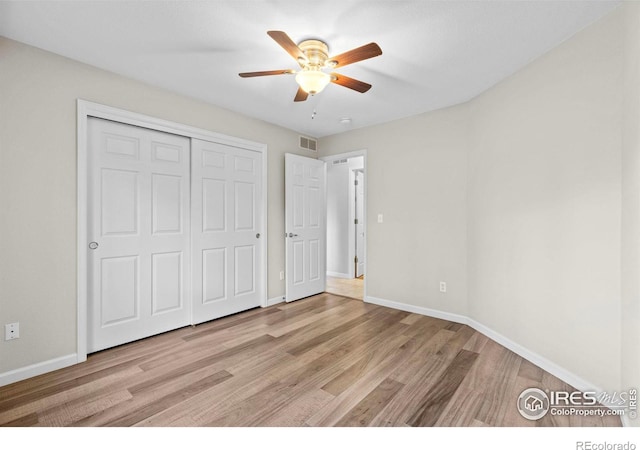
{"type": "Point", "coordinates": [312, 81]}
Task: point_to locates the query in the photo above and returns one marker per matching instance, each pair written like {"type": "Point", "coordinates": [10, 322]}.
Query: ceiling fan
{"type": "Point", "coordinates": [313, 57]}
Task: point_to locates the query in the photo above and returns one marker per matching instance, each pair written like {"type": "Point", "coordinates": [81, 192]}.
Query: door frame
{"type": "Point", "coordinates": [353, 228]}
{"type": "Point", "coordinates": [329, 160]}
{"type": "Point", "coordinates": [86, 109]}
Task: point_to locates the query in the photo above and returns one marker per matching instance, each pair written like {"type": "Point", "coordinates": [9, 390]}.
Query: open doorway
{"type": "Point", "coordinates": [346, 224]}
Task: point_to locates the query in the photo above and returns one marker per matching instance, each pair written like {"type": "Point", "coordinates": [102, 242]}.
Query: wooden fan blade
{"type": "Point", "coordinates": [265, 73]}
{"type": "Point", "coordinates": [350, 83]}
{"type": "Point", "coordinates": [301, 95]}
{"type": "Point", "coordinates": [357, 54]}
{"type": "Point", "coordinates": [286, 43]}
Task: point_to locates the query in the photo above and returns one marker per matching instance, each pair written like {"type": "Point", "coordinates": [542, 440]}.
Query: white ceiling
{"type": "Point", "coordinates": [435, 53]}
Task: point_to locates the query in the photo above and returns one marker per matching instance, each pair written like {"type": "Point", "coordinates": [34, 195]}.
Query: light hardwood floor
{"type": "Point", "coordinates": [323, 361]}
{"type": "Point", "coordinates": [347, 287]}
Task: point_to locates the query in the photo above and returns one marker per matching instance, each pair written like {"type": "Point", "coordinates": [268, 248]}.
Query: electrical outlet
{"type": "Point", "coordinates": [443, 286]}
{"type": "Point", "coordinates": [281, 275]}
{"type": "Point", "coordinates": [380, 218]}
{"type": "Point", "coordinates": [11, 331]}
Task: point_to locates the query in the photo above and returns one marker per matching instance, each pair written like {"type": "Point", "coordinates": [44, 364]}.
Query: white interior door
{"type": "Point", "coordinates": [138, 222]}
{"type": "Point", "coordinates": [305, 221]}
{"type": "Point", "coordinates": [359, 209]}
{"type": "Point", "coordinates": [226, 229]}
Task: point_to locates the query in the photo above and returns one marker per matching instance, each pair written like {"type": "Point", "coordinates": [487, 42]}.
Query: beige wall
{"type": "Point", "coordinates": [38, 92]}
{"type": "Point", "coordinates": [545, 205]}
{"type": "Point", "coordinates": [631, 203]}
{"type": "Point", "coordinates": [529, 224]}
{"type": "Point", "coordinates": [416, 177]}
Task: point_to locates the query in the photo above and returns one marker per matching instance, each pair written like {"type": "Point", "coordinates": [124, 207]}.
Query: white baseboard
{"type": "Point", "coordinates": [37, 369]}
{"type": "Point", "coordinates": [275, 300]}
{"type": "Point", "coordinates": [534, 358]}
{"type": "Point", "coordinates": [540, 361]}
{"type": "Point", "coordinates": [338, 275]}
{"type": "Point", "coordinates": [418, 310]}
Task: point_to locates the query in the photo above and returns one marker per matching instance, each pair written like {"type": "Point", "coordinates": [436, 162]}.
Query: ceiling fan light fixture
{"type": "Point", "coordinates": [312, 81]}
{"type": "Point", "coordinates": [313, 57]}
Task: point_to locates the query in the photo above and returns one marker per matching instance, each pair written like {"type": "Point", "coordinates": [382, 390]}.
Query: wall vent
{"type": "Point", "coordinates": [339, 161]}
{"type": "Point", "coordinates": [308, 144]}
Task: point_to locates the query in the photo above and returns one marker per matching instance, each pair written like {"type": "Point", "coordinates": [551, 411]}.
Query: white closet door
{"type": "Point", "coordinates": [226, 229]}
{"type": "Point", "coordinates": [139, 227]}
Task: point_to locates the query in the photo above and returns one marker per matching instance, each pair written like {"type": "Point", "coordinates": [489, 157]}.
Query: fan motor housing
{"type": "Point", "coordinates": [317, 52]}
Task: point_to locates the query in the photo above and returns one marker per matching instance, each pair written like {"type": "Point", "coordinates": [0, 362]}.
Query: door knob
{"type": "Point", "coordinates": [93, 245]}
{"type": "Point", "coordinates": [257, 235]}
{"type": "Point", "coordinates": [293, 235]}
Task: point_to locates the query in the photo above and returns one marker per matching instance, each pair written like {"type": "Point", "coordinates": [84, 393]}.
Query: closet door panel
{"type": "Point", "coordinates": [226, 188]}
{"type": "Point", "coordinates": [138, 226]}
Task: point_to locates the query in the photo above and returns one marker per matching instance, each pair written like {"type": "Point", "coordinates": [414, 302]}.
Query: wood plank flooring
{"type": "Point", "coordinates": [346, 287]}
{"type": "Point", "coordinates": [323, 361]}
